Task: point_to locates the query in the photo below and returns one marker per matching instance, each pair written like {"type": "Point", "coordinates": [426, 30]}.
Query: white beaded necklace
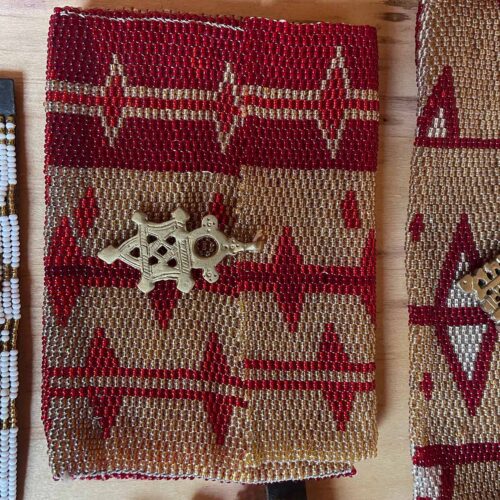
{"type": "Point", "coordinates": [10, 309]}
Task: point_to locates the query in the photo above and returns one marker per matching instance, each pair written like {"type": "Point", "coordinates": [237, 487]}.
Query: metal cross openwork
{"type": "Point", "coordinates": [168, 251]}
{"type": "Point", "coordinates": [484, 284]}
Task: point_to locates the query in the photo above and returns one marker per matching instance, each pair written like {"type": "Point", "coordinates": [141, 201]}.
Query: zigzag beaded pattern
{"type": "Point", "coordinates": [267, 374]}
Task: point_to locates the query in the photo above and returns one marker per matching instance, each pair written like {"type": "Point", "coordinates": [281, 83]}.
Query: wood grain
{"type": "Point", "coordinates": [23, 25]}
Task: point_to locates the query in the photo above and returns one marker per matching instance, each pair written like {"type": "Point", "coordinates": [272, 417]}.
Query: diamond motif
{"type": "Point", "coordinates": [86, 212]}
{"type": "Point", "coordinates": [220, 210]}
{"type": "Point", "coordinates": [451, 309]}
{"type": "Point", "coordinates": [106, 407]}
{"type": "Point", "coordinates": [114, 91]}
{"type": "Point", "coordinates": [427, 385]}
{"type": "Point", "coordinates": [340, 397]}
{"type": "Point", "coordinates": [216, 368]}
{"type": "Point", "coordinates": [289, 263]}
{"type": "Point", "coordinates": [228, 106]}
{"type": "Point", "coordinates": [63, 290]}
{"type": "Point", "coordinates": [334, 88]}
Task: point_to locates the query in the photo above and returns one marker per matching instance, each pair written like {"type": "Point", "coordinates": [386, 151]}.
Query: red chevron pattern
{"type": "Point", "coordinates": [68, 271]}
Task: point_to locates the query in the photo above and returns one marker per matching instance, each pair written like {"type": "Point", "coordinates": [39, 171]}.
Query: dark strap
{"type": "Point", "coordinates": [288, 490]}
{"type": "Point", "coordinates": [7, 106]}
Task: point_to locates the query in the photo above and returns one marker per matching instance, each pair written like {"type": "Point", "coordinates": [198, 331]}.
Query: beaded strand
{"type": "Point", "coordinates": [267, 375]}
{"type": "Point", "coordinates": [10, 310]}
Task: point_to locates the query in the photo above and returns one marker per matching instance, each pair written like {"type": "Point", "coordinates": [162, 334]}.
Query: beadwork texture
{"type": "Point", "coordinates": [453, 228]}
{"type": "Point", "coordinates": [10, 308]}
{"type": "Point", "coordinates": [267, 374]}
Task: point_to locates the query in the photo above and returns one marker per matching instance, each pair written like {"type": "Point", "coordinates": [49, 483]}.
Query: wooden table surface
{"type": "Point", "coordinates": [23, 28]}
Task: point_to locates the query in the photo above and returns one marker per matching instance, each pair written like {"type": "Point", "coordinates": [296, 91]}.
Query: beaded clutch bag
{"type": "Point", "coordinates": [453, 230]}
{"type": "Point", "coordinates": [258, 367]}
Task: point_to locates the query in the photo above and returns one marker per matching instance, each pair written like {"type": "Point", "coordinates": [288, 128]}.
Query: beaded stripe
{"type": "Point", "coordinates": [201, 104]}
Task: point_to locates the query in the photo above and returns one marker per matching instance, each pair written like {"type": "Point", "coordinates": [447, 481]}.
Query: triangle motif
{"type": "Point", "coordinates": [467, 341]}
{"type": "Point", "coordinates": [439, 118]}
{"type": "Point", "coordinates": [163, 300]}
{"type": "Point", "coordinates": [438, 128]}
{"type": "Point", "coordinates": [331, 348]}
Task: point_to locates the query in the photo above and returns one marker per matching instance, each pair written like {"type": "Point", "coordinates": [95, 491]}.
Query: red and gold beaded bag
{"type": "Point", "coordinates": [258, 367]}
